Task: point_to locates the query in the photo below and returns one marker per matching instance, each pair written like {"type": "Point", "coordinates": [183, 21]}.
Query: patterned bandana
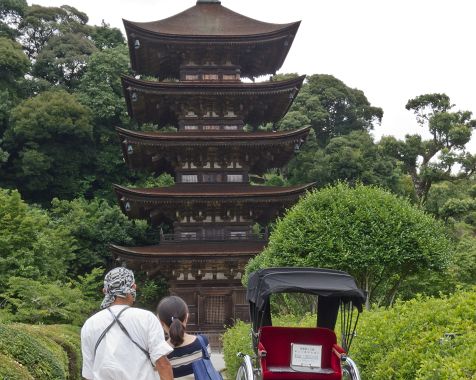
{"type": "Point", "coordinates": [118, 283]}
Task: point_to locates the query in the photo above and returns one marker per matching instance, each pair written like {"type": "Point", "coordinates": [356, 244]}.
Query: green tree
{"type": "Point", "coordinates": [95, 224]}
{"type": "Point", "coordinates": [31, 244]}
{"type": "Point", "coordinates": [40, 23]}
{"type": "Point", "coordinates": [63, 60]}
{"type": "Point", "coordinates": [352, 158]}
{"type": "Point", "coordinates": [377, 237]}
{"type": "Point", "coordinates": [11, 12]}
{"type": "Point", "coordinates": [48, 302]}
{"type": "Point", "coordinates": [331, 108]}
{"type": "Point", "coordinates": [49, 141]}
{"type": "Point", "coordinates": [427, 161]}
{"type": "Point", "coordinates": [105, 37]}
{"type": "Point", "coordinates": [101, 88]}
{"type": "Point", "coordinates": [13, 62]}
{"type": "Point", "coordinates": [13, 66]}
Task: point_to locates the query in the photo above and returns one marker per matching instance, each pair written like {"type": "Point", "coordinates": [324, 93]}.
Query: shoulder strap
{"type": "Point", "coordinates": [103, 334]}
{"type": "Point", "coordinates": [116, 319]}
{"type": "Point", "coordinates": [206, 355]}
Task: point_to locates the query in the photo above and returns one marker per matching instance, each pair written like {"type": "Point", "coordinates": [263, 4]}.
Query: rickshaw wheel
{"type": "Point", "coordinates": [245, 372]}
{"type": "Point", "coordinates": [349, 370]}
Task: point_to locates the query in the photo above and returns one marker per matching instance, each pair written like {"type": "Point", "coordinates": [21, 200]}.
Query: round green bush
{"type": "Point", "coordinates": [12, 370]}
{"type": "Point", "coordinates": [68, 337]}
{"type": "Point", "coordinates": [32, 353]}
{"type": "Point", "coordinates": [39, 332]}
{"type": "Point", "coordinates": [374, 235]}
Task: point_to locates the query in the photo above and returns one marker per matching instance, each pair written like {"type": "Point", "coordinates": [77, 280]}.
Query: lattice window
{"type": "Point", "coordinates": [191, 77]}
{"type": "Point", "coordinates": [237, 235]}
{"type": "Point", "coordinates": [234, 178]}
{"type": "Point", "coordinates": [229, 77]}
{"type": "Point", "coordinates": [211, 127]}
{"type": "Point", "coordinates": [189, 178]}
{"type": "Point", "coordinates": [215, 309]}
{"type": "Point", "coordinates": [210, 76]}
{"type": "Point", "coordinates": [188, 235]}
{"type": "Point", "coordinates": [230, 127]}
{"type": "Point", "coordinates": [190, 127]}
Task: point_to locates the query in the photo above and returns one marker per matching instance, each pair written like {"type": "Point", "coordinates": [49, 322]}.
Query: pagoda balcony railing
{"type": "Point", "coordinates": [164, 238]}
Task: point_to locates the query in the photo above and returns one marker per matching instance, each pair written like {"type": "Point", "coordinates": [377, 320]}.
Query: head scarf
{"type": "Point", "coordinates": [118, 283]}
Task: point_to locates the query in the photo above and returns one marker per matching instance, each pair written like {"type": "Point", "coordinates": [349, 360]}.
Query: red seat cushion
{"type": "Point", "coordinates": [276, 341]}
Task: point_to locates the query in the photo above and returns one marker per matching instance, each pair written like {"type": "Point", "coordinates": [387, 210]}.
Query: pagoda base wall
{"type": "Point", "coordinates": [213, 305]}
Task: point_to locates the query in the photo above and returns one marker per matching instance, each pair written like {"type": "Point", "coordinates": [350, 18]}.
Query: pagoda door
{"type": "Point", "coordinates": [215, 309]}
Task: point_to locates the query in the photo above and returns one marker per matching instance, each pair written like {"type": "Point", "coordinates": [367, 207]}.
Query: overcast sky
{"type": "Point", "coordinates": [393, 50]}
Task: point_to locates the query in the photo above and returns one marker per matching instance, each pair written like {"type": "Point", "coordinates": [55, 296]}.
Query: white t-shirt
{"type": "Point", "coordinates": [117, 357]}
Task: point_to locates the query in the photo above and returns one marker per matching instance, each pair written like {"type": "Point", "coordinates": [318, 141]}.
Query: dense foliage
{"type": "Point", "coordinates": [377, 237]}
{"type": "Point", "coordinates": [421, 339]}
{"type": "Point", "coordinates": [47, 352]}
{"type": "Point", "coordinates": [31, 244]}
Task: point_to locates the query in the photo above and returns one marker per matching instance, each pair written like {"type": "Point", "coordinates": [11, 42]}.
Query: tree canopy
{"type": "Point", "coordinates": [31, 244]}
{"type": "Point", "coordinates": [49, 140]}
{"type": "Point", "coordinates": [377, 237]}
{"type": "Point", "coordinates": [427, 161]}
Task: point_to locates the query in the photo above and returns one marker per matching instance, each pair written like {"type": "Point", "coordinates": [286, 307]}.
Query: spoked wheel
{"type": "Point", "coordinates": [349, 369]}
{"type": "Point", "coordinates": [245, 372]}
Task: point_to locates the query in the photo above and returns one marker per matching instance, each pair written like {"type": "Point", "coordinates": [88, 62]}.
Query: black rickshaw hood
{"type": "Point", "coordinates": [332, 287]}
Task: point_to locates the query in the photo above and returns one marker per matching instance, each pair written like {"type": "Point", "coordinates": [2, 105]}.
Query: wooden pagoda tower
{"type": "Point", "coordinates": [216, 217]}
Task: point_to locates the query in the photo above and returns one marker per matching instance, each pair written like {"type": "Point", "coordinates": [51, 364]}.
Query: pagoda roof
{"type": "Point", "coordinates": [191, 249]}
{"type": "Point", "coordinates": [191, 138]}
{"type": "Point", "coordinates": [160, 102]}
{"type": "Point", "coordinates": [163, 203]}
{"type": "Point", "coordinates": [209, 24]}
{"type": "Point", "coordinates": [173, 259]}
{"type": "Point", "coordinates": [204, 192]}
{"type": "Point", "coordinates": [264, 150]}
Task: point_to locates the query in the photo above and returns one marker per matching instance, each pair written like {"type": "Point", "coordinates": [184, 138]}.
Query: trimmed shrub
{"type": "Point", "coordinates": [32, 352]}
{"type": "Point", "coordinates": [12, 370]}
{"type": "Point", "coordinates": [375, 236]}
{"type": "Point", "coordinates": [68, 337]}
{"type": "Point", "coordinates": [421, 339]}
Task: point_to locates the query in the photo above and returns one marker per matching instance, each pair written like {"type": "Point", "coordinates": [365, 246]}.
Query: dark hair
{"type": "Point", "coordinates": [172, 311]}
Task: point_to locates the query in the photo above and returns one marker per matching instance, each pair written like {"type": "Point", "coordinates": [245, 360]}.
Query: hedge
{"type": "Point", "coordinates": [40, 352]}
{"type": "Point", "coordinates": [10, 369]}
{"type": "Point", "coordinates": [421, 339]}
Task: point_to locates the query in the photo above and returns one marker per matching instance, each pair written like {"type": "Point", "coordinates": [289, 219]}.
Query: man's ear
{"type": "Point", "coordinates": [104, 290]}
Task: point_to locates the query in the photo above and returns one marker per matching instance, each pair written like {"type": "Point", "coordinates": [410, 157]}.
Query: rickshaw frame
{"type": "Point", "coordinates": [335, 290]}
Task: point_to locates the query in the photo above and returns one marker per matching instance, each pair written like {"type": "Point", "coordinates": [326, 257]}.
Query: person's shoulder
{"type": "Point", "coordinates": [92, 319]}
{"type": "Point", "coordinates": [143, 313]}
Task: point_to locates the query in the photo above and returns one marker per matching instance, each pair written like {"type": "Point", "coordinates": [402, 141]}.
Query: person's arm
{"type": "Point", "coordinates": [163, 367]}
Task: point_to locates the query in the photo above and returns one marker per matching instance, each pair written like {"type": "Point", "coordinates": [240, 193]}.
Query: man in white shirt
{"type": "Point", "coordinates": [121, 342]}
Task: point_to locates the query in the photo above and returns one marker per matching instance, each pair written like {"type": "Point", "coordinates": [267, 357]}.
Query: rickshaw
{"type": "Point", "coordinates": [299, 353]}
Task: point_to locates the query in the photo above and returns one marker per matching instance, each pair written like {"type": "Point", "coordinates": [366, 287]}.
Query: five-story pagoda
{"type": "Point", "coordinates": [199, 57]}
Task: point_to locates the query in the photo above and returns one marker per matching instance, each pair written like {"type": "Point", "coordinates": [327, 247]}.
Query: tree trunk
{"type": "Point", "coordinates": [367, 291]}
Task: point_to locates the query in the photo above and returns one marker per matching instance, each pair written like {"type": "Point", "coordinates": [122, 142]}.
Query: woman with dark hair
{"type": "Point", "coordinates": [173, 314]}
